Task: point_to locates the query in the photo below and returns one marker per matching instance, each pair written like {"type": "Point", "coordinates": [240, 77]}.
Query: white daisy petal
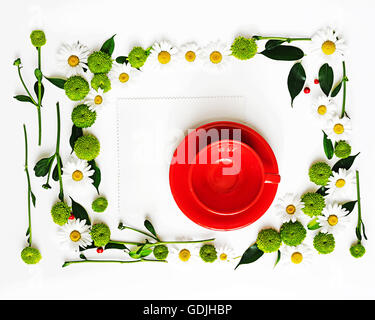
{"type": "Point", "coordinates": [341, 183]}
{"type": "Point", "coordinates": [289, 207]}
{"type": "Point", "coordinates": [300, 255]}
{"type": "Point", "coordinates": [327, 45]}
{"type": "Point", "coordinates": [72, 58]}
{"type": "Point", "coordinates": [122, 75]}
{"type": "Point", "coordinates": [77, 173]}
{"type": "Point", "coordinates": [338, 128]}
{"type": "Point", "coordinates": [323, 108]}
{"type": "Point", "coordinates": [75, 234]}
{"type": "Point", "coordinates": [216, 55]}
{"type": "Point", "coordinates": [333, 219]}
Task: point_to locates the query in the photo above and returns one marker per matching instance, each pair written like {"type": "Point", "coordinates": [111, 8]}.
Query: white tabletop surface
{"type": "Point", "coordinates": [295, 140]}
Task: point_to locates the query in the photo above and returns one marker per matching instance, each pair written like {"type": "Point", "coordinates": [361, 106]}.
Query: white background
{"type": "Point", "coordinates": [295, 140]}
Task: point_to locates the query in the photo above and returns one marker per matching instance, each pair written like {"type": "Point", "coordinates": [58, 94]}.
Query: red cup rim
{"type": "Point", "coordinates": [250, 204]}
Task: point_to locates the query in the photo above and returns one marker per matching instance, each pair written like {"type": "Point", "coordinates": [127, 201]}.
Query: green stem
{"type": "Point", "coordinates": [57, 153]}
{"type": "Point", "coordinates": [140, 231]}
{"type": "Point", "coordinates": [344, 80]}
{"type": "Point", "coordinates": [39, 98]}
{"type": "Point", "coordinates": [359, 204]}
{"type": "Point", "coordinates": [24, 86]}
{"type": "Point", "coordinates": [282, 38]}
{"type": "Point", "coordinates": [126, 243]}
{"type": "Point", "coordinates": [161, 242]}
{"type": "Point", "coordinates": [28, 186]}
{"type": "Point", "coordinates": [67, 263]}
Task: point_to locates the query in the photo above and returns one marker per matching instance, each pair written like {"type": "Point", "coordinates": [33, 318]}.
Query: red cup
{"type": "Point", "coordinates": [228, 177]}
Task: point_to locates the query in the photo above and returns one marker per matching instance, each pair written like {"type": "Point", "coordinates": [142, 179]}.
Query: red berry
{"type": "Point", "coordinates": [100, 250]}
{"type": "Point", "coordinates": [316, 81]}
{"type": "Point", "coordinates": [71, 217]}
{"type": "Point", "coordinates": [306, 90]}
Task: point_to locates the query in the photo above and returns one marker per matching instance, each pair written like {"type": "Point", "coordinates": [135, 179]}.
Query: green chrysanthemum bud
{"type": "Point", "coordinates": [87, 147]}
{"type": "Point", "coordinates": [99, 62]}
{"type": "Point", "coordinates": [60, 213]}
{"type": "Point", "coordinates": [137, 57]}
{"type": "Point", "coordinates": [268, 240]}
{"type": "Point", "coordinates": [343, 149]}
{"type": "Point", "coordinates": [243, 48]}
{"type": "Point", "coordinates": [324, 243]}
{"type": "Point", "coordinates": [100, 80]}
{"type": "Point", "coordinates": [30, 255]}
{"type": "Point", "coordinates": [76, 88]}
{"type": "Point", "coordinates": [38, 38]}
{"type": "Point", "coordinates": [83, 117]}
{"type": "Point", "coordinates": [100, 234]}
{"type": "Point", "coordinates": [208, 253]}
{"type": "Point", "coordinates": [99, 204]}
{"type": "Point", "coordinates": [357, 250]}
{"type": "Point", "coordinates": [314, 204]}
{"type": "Point", "coordinates": [319, 173]}
{"type": "Point", "coordinates": [292, 233]}
{"type": "Point", "coordinates": [17, 62]}
{"type": "Point", "coordinates": [161, 252]}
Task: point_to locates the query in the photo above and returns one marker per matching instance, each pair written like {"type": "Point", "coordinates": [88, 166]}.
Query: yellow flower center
{"type": "Point", "coordinates": [338, 128]}
{"type": "Point", "coordinates": [73, 61]}
{"type": "Point", "coordinates": [164, 57]}
{"type": "Point", "coordinates": [322, 109]}
{"type": "Point", "coordinates": [123, 77]}
{"type": "Point", "coordinates": [333, 220]}
{"type": "Point", "coordinates": [75, 235]}
{"type": "Point", "coordinates": [340, 183]}
{"type": "Point", "coordinates": [296, 257]}
{"type": "Point", "coordinates": [216, 57]}
{"type": "Point", "coordinates": [77, 175]}
{"type": "Point", "coordinates": [223, 257]}
{"type": "Point", "coordinates": [290, 209]}
{"type": "Point", "coordinates": [98, 99]}
{"type": "Point", "coordinates": [328, 47]}
{"type": "Point", "coordinates": [190, 56]}
{"type": "Point", "coordinates": [184, 255]}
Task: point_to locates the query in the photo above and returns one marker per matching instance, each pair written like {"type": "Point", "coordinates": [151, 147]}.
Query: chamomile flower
{"type": "Point", "coordinates": [216, 55]}
{"type": "Point", "coordinates": [73, 58]}
{"type": "Point", "coordinates": [327, 45]}
{"type": "Point", "coordinates": [333, 219]}
{"type": "Point", "coordinates": [225, 254]}
{"type": "Point", "coordinates": [123, 74]}
{"type": "Point", "coordinates": [77, 172]}
{"type": "Point", "coordinates": [184, 253]}
{"type": "Point", "coordinates": [190, 54]}
{"type": "Point", "coordinates": [75, 233]}
{"type": "Point", "coordinates": [289, 208]}
{"type": "Point", "coordinates": [298, 255]}
{"type": "Point", "coordinates": [323, 108]}
{"type": "Point", "coordinates": [162, 54]}
{"type": "Point", "coordinates": [338, 128]}
{"type": "Point", "coordinates": [341, 183]}
{"type": "Point", "coordinates": [97, 99]}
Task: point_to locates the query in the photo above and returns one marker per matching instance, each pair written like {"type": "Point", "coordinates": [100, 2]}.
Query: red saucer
{"type": "Point", "coordinates": [184, 158]}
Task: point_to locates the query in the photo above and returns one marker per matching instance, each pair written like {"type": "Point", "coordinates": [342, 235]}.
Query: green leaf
{"type": "Point", "coordinates": [296, 80]}
{"type": "Point", "coordinates": [121, 59]}
{"type": "Point", "coordinates": [108, 46]}
{"type": "Point", "coordinates": [140, 252]}
{"type": "Point", "coordinates": [97, 176]}
{"type": "Point", "coordinates": [283, 53]}
{"type": "Point", "coordinates": [150, 228]}
{"type": "Point", "coordinates": [55, 173]}
{"type": "Point", "coordinates": [82, 256]}
{"type": "Point", "coordinates": [119, 246]}
{"type": "Point", "coordinates": [251, 255]}
{"type": "Point", "coordinates": [36, 90]}
{"type": "Point", "coordinates": [33, 198]}
{"type": "Point", "coordinates": [313, 224]}
{"type": "Point", "coordinates": [336, 90]}
{"type": "Point", "coordinates": [80, 212]}
{"type": "Point", "coordinates": [270, 44]}
{"type": "Point", "coordinates": [42, 166]}
{"type": "Point", "coordinates": [328, 146]}
{"type": "Point", "coordinates": [23, 98]}
{"type": "Point", "coordinates": [358, 233]}
{"type": "Point", "coordinates": [349, 206]}
{"type": "Point", "coordinates": [322, 190]}
{"type": "Point", "coordinates": [38, 74]}
{"type": "Point", "coordinates": [278, 258]}
{"type": "Point", "coordinates": [326, 78]}
{"type": "Point", "coordinates": [76, 133]}
{"type": "Point", "coordinates": [57, 82]}
{"type": "Point", "coordinates": [344, 163]}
